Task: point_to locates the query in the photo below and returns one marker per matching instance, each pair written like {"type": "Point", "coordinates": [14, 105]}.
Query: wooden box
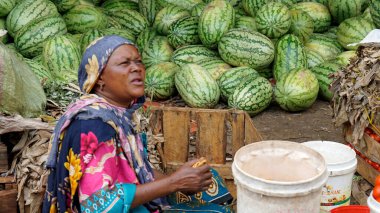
{"type": "Point", "coordinates": [216, 134]}
{"type": "Point", "coordinates": [8, 195]}
{"type": "Point", "coordinates": [3, 158]}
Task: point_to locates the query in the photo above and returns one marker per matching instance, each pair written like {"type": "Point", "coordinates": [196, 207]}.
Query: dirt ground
{"type": "Point", "coordinates": [312, 124]}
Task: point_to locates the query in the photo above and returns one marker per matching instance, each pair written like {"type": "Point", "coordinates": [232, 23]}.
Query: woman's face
{"type": "Point", "coordinates": [124, 75]}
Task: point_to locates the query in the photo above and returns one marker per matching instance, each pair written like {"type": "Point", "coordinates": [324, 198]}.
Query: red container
{"type": "Point", "coordinates": [351, 209]}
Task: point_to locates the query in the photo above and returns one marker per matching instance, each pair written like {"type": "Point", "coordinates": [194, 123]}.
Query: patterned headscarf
{"type": "Point", "coordinates": [95, 59]}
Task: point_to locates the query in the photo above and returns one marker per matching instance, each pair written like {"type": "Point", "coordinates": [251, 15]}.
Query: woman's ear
{"type": "Point", "coordinates": [100, 84]}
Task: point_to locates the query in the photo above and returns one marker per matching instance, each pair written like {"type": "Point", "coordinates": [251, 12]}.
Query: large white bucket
{"type": "Point", "coordinates": [341, 165]}
{"type": "Point", "coordinates": [282, 183]}
{"type": "Point", "coordinates": [373, 205]}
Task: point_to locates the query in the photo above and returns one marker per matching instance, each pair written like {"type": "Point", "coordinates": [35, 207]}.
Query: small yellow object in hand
{"type": "Point", "coordinates": [202, 161]}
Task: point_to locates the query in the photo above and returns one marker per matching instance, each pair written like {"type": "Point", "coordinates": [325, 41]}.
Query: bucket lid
{"type": "Point", "coordinates": [340, 159]}
{"type": "Point", "coordinates": [351, 209]}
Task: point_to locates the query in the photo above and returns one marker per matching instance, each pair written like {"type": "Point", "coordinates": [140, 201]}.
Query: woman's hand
{"type": "Point", "coordinates": [192, 180]}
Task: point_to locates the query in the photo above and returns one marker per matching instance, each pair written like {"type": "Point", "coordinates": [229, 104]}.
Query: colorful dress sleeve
{"type": "Point", "coordinates": [93, 171]}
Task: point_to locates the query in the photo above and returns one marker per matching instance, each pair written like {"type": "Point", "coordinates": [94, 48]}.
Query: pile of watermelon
{"type": "Point", "coordinates": [206, 51]}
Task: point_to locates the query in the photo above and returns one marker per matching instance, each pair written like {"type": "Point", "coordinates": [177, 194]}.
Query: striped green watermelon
{"type": "Point", "coordinates": [324, 2]}
{"type": "Point", "coordinates": [290, 55]}
{"type": "Point", "coordinates": [345, 57]}
{"type": "Point", "coordinates": [82, 18]}
{"type": "Point", "coordinates": [240, 47]}
{"type": "Point", "coordinates": [216, 67]}
{"type": "Point", "coordinates": [288, 3]}
{"type": "Point", "coordinates": [313, 57]}
{"type": "Point", "coordinates": [30, 39]}
{"type": "Point", "coordinates": [197, 9]}
{"type": "Point", "coordinates": [231, 2]}
{"type": "Point", "coordinates": [323, 72]}
{"type": "Point", "coordinates": [216, 19]}
{"type": "Point", "coordinates": [266, 72]}
{"type": "Point", "coordinates": [327, 47]}
{"type": "Point", "coordinates": [38, 59]}
{"type": "Point", "coordinates": [40, 70]}
{"type": "Point", "coordinates": [156, 51]}
{"type": "Point", "coordinates": [148, 9]}
{"type": "Point", "coordinates": [318, 12]}
{"type": "Point", "coordinates": [89, 37]}
{"type": "Point", "coordinates": [129, 19]}
{"type": "Point", "coordinates": [120, 32]}
{"type": "Point", "coordinates": [375, 12]}
{"type": "Point", "coordinates": [159, 80]}
{"type": "Point", "coordinates": [196, 86]}
{"type": "Point", "coordinates": [332, 32]}
{"type": "Point", "coordinates": [344, 9]}
{"type": "Point", "coordinates": [62, 57]}
{"type": "Point", "coordinates": [74, 38]}
{"type": "Point", "coordinates": [245, 22]}
{"type": "Point", "coordinates": [6, 6]}
{"type": "Point", "coordinates": [145, 36]}
{"type": "Point", "coordinates": [167, 16]}
{"type": "Point", "coordinates": [252, 6]}
{"type": "Point", "coordinates": [185, 4]}
{"type": "Point", "coordinates": [273, 20]}
{"type": "Point", "coordinates": [367, 14]}
{"type": "Point", "coordinates": [120, 4]}
{"type": "Point", "coordinates": [297, 90]}
{"type": "Point", "coordinates": [192, 54]}
{"type": "Point", "coordinates": [12, 48]}
{"type": "Point", "coordinates": [113, 23]}
{"type": "Point", "coordinates": [4, 38]}
{"type": "Point", "coordinates": [239, 11]}
{"type": "Point", "coordinates": [65, 5]}
{"type": "Point", "coordinates": [353, 30]}
{"type": "Point", "coordinates": [232, 78]}
{"type": "Point", "coordinates": [27, 11]}
{"type": "Point", "coordinates": [252, 95]}
{"type": "Point", "coordinates": [184, 32]}
{"type": "Point", "coordinates": [301, 25]}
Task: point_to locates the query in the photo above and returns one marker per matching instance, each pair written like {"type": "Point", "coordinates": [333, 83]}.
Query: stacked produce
{"type": "Point", "coordinates": [205, 51]}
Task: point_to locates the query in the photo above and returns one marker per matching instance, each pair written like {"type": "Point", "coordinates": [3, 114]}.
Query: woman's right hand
{"type": "Point", "coordinates": [191, 180]}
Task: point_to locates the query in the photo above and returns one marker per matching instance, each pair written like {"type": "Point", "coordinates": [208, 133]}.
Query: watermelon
{"type": "Point", "coordinates": [120, 32]}
{"type": "Point", "coordinates": [6, 6]}
{"type": "Point", "coordinates": [30, 39]}
{"type": "Point", "coordinates": [12, 47]}
{"type": "Point", "coordinates": [344, 9]}
{"type": "Point", "coordinates": [332, 32]}
{"type": "Point", "coordinates": [216, 19]}
{"type": "Point", "coordinates": [375, 12]}
{"type": "Point", "coordinates": [231, 2]}
{"type": "Point", "coordinates": [159, 80]}
{"type": "Point", "coordinates": [120, 4]}
{"type": "Point", "coordinates": [288, 3]}
{"type": "Point", "coordinates": [215, 66]}
{"type": "Point", "coordinates": [82, 18]}
{"type": "Point", "coordinates": [192, 54]}
{"type": "Point", "coordinates": [40, 70]}
{"type": "Point", "coordinates": [62, 56]}
{"type": "Point", "coordinates": [297, 90]}
{"type": "Point", "coordinates": [148, 9]}
{"type": "Point", "coordinates": [112, 23]}
{"type": "Point", "coordinates": [240, 47]}
{"type": "Point", "coordinates": [65, 5]}
{"type": "Point", "coordinates": [184, 32]}
{"type": "Point", "coordinates": [27, 11]}
{"type": "Point", "coordinates": [196, 86]}
{"type": "Point", "coordinates": [345, 57]}
{"type": "Point", "coordinates": [89, 37]}
{"type": "Point", "coordinates": [38, 59]}
{"type": "Point", "coordinates": [74, 37]}
{"type": "Point", "coordinates": [273, 20]}
{"type": "Point", "coordinates": [197, 9]}
{"type": "Point", "coordinates": [323, 72]}
{"type": "Point", "coordinates": [145, 36]}
{"type": "Point", "coordinates": [367, 14]}
{"type": "Point", "coordinates": [232, 78]}
{"type": "Point", "coordinates": [156, 51]}
{"type": "Point", "coordinates": [327, 47]}
{"type": "Point", "coordinates": [129, 19]}
{"type": "Point", "coordinates": [3, 38]}
{"type": "Point", "coordinates": [252, 6]}
{"type": "Point", "coordinates": [324, 2]}
{"type": "Point", "coordinates": [266, 72]}
{"type": "Point", "coordinates": [185, 4]}
{"type": "Point", "coordinates": [245, 22]}
{"type": "Point", "coordinates": [353, 30]}
{"type": "Point", "coordinates": [301, 25]}
{"type": "Point", "coordinates": [318, 12]}
{"type": "Point", "coordinates": [167, 16]}
{"type": "Point", "coordinates": [252, 95]}
{"type": "Point", "coordinates": [313, 57]}
{"type": "Point", "coordinates": [290, 55]}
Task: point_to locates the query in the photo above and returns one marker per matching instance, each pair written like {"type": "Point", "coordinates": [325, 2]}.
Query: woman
{"type": "Point", "coordinates": [97, 158]}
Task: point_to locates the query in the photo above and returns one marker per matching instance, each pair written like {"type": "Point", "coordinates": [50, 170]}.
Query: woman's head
{"type": "Point", "coordinates": [112, 67]}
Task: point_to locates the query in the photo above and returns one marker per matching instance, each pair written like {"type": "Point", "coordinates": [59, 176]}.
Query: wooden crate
{"type": "Point", "coordinates": [8, 195]}
{"type": "Point", "coordinates": [367, 171]}
{"type": "Point", "coordinates": [3, 158]}
{"type": "Point", "coordinates": [218, 135]}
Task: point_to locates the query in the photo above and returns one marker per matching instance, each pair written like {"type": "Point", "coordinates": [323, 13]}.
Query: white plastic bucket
{"type": "Point", "coordinates": [259, 195]}
{"type": "Point", "coordinates": [341, 165]}
{"type": "Point", "coordinates": [373, 205]}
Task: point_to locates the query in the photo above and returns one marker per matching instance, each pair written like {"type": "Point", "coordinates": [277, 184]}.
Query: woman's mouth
{"type": "Point", "coordinates": [137, 82]}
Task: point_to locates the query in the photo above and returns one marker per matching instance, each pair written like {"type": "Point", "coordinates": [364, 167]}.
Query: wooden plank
{"type": "Point", "coordinates": [8, 202]}
{"type": "Point", "coordinates": [3, 158]}
{"type": "Point", "coordinates": [251, 133]}
{"type": "Point", "coordinates": [176, 126]}
{"type": "Point", "coordinates": [155, 121]}
{"type": "Point", "coordinates": [8, 179]}
{"type": "Point", "coordinates": [211, 136]}
{"type": "Point", "coordinates": [367, 171]}
{"type": "Point", "coordinates": [237, 126]}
